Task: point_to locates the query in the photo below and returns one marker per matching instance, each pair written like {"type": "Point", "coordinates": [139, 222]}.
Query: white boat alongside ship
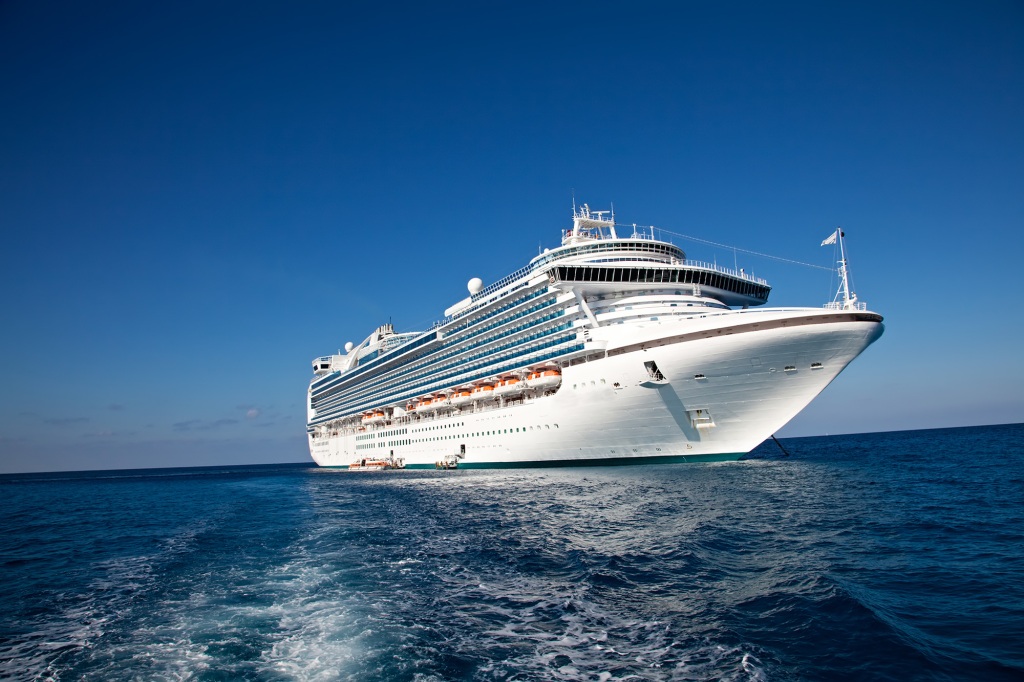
{"type": "Point", "coordinates": [604, 350]}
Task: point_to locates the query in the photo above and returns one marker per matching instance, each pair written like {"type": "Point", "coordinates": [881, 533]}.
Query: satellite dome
{"type": "Point", "coordinates": [348, 347]}
{"type": "Point", "coordinates": [475, 285]}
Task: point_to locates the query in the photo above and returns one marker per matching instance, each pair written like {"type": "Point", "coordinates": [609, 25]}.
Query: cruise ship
{"type": "Point", "coordinates": [607, 349]}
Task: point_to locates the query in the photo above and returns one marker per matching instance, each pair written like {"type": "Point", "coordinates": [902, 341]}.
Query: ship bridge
{"type": "Point", "coordinates": [593, 258]}
{"type": "Point", "coordinates": [700, 279]}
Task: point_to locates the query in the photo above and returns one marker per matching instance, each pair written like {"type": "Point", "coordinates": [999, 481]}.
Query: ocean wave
{"type": "Point", "coordinates": [70, 624]}
{"type": "Point", "coordinates": [819, 566]}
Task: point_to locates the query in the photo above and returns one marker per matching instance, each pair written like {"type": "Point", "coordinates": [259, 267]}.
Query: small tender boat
{"type": "Point", "coordinates": [449, 462]}
{"type": "Point", "coordinates": [377, 464]}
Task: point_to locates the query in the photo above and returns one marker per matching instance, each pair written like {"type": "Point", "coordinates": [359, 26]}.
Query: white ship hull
{"type": "Point", "coordinates": [604, 350]}
{"type": "Point", "coordinates": [727, 382]}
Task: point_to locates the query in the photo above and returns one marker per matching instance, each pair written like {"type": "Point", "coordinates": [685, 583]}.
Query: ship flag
{"type": "Point", "coordinates": [831, 239]}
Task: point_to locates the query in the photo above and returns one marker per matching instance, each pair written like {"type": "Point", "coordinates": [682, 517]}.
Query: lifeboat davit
{"type": "Point", "coordinates": [509, 386]}
{"type": "Point", "coordinates": [461, 397]}
{"type": "Point", "coordinates": [545, 378]}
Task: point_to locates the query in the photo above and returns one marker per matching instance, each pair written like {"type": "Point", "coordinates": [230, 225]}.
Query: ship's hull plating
{"type": "Point", "coordinates": [723, 392]}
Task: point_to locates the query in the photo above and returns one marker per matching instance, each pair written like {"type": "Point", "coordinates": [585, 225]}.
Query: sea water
{"type": "Point", "coordinates": [894, 556]}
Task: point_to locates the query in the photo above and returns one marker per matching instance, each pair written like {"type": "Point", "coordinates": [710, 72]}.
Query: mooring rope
{"type": "Point", "coordinates": [780, 445]}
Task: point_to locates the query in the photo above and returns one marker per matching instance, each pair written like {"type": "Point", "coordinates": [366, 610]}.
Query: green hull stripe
{"type": "Point", "coordinates": [610, 461]}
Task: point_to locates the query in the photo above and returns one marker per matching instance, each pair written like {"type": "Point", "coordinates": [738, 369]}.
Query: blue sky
{"type": "Point", "coordinates": [196, 199]}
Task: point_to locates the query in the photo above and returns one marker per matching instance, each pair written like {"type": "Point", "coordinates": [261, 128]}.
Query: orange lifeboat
{"type": "Point", "coordinates": [424, 404]}
{"type": "Point", "coordinates": [367, 418]}
{"type": "Point", "coordinates": [461, 397]}
{"type": "Point", "coordinates": [377, 418]}
{"type": "Point", "coordinates": [510, 385]}
{"type": "Point", "coordinates": [483, 392]}
{"type": "Point", "coordinates": [545, 378]}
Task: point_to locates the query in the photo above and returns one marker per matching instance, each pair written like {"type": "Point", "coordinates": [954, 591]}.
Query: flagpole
{"type": "Point", "coordinates": [849, 298]}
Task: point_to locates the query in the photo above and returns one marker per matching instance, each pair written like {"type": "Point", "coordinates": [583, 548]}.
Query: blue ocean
{"type": "Point", "coordinates": [890, 556]}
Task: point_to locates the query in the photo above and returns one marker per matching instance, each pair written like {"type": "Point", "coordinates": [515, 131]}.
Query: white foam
{"type": "Point", "coordinates": [429, 596]}
{"type": "Point", "coordinates": [83, 619]}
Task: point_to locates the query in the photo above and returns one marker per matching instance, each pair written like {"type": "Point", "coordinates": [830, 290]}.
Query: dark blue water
{"type": "Point", "coordinates": [894, 556]}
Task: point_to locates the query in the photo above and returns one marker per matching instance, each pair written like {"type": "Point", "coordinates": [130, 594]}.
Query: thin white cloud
{"type": "Point", "coordinates": [65, 421]}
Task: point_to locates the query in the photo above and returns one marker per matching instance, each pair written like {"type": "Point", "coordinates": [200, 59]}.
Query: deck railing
{"type": "Point", "coordinates": [725, 271]}
{"type": "Point", "coordinates": [838, 305]}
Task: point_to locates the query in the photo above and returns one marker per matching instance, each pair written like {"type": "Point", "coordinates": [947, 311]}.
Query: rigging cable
{"type": "Point", "coordinates": [735, 248]}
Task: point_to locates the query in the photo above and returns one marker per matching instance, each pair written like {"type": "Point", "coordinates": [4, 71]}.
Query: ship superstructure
{"type": "Point", "coordinates": [605, 349]}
